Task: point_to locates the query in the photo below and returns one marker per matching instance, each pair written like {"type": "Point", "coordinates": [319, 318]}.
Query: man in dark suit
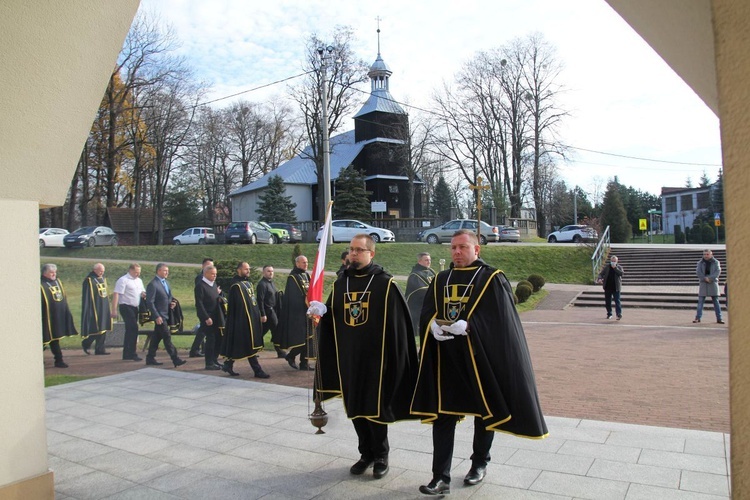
{"type": "Point", "coordinates": [196, 350]}
{"type": "Point", "coordinates": [209, 306]}
{"type": "Point", "coordinates": [159, 301]}
{"type": "Point", "coordinates": [267, 296]}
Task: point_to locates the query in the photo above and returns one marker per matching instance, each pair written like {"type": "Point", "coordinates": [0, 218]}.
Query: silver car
{"type": "Point", "coordinates": [345, 230]}
{"type": "Point", "coordinates": [575, 232]}
{"type": "Point", "coordinates": [195, 236]}
{"type": "Point", "coordinates": [444, 232]}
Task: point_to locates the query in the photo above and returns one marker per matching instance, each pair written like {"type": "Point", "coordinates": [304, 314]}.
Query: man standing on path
{"type": "Point", "coordinates": [243, 334]}
{"type": "Point", "coordinates": [129, 291]}
{"type": "Point", "coordinates": [294, 335]}
{"type": "Point", "coordinates": [366, 353]}
{"type": "Point", "coordinates": [160, 301]}
{"type": "Point", "coordinates": [416, 286]}
{"type": "Point", "coordinates": [474, 361]}
{"type": "Point", "coordinates": [196, 350]}
{"type": "Point", "coordinates": [96, 319]}
{"type": "Point", "coordinates": [611, 280]}
{"type": "Point", "coordinates": [209, 306]}
{"type": "Point", "coordinates": [267, 295]}
{"type": "Point", "coordinates": [57, 321]}
{"type": "Point", "coordinates": [708, 271]}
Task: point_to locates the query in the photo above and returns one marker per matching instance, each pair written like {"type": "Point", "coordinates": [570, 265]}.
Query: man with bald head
{"type": "Point", "coordinates": [96, 319]}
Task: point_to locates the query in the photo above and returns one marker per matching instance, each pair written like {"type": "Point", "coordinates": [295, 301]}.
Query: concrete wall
{"type": "Point", "coordinates": [56, 58]}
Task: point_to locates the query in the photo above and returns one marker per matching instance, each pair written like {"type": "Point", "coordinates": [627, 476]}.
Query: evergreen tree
{"type": "Point", "coordinates": [275, 205]}
{"type": "Point", "coordinates": [614, 215]}
{"type": "Point", "coordinates": [704, 180]}
{"type": "Point", "coordinates": [352, 199]}
{"type": "Point", "coordinates": [442, 202]}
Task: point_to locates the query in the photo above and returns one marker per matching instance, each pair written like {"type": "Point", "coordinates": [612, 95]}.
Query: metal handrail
{"type": "Point", "coordinates": [602, 249]}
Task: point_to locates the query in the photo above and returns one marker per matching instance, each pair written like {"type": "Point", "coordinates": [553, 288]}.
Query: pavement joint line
{"type": "Point", "coordinates": [628, 325]}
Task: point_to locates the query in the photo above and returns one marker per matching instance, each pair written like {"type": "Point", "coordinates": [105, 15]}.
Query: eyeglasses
{"type": "Point", "coordinates": [358, 250]}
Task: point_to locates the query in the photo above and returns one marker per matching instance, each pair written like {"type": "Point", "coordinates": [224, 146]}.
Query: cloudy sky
{"type": "Point", "coordinates": [631, 116]}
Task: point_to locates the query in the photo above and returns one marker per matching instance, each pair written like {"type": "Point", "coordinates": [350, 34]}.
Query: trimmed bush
{"type": "Point", "coordinates": [526, 283]}
{"type": "Point", "coordinates": [537, 282]}
{"type": "Point", "coordinates": [226, 269]}
{"type": "Point", "coordinates": [523, 292]}
{"type": "Point", "coordinates": [296, 252]}
{"type": "Point", "coordinates": [708, 233]}
{"type": "Point", "coordinates": [679, 236]}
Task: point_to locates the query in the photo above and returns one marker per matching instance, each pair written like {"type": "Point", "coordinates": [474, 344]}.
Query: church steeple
{"type": "Point", "coordinates": [380, 96]}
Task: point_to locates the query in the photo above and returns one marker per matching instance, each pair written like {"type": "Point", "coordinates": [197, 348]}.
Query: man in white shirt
{"type": "Point", "coordinates": [129, 291]}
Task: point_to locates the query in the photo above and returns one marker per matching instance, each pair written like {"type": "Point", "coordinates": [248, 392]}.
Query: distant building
{"type": "Point", "coordinates": [378, 147]}
{"type": "Point", "coordinates": [681, 206]}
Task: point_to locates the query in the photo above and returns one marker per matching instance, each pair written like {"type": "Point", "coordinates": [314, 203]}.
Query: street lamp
{"type": "Point", "coordinates": [325, 56]}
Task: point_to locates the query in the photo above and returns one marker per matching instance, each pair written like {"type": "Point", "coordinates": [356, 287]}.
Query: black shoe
{"type": "Point", "coordinates": [280, 353]}
{"type": "Point", "coordinates": [436, 487]}
{"type": "Point", "coordinates": [85, 348]}
{"type": "Point", "coordinates": [361, 466]}
{"type": "Point", "coordinates": [103, 353]}
{"type": "Point", "coordinates": [178, 362]}
{"type": "Point", "coordinates": [380, 469]}
{"type": "Point", "coordinates": [152, 361]}
{"type": "Point", "coordinates": [136, 358]}
{"type": "Point", "coordinates": [475, 475]}
{"type": "Point", "coordinates": [61, 364]}
{"type": "Point", "coordinates": [227, 368]}
{"type": "Point", "coordinates": [306, 367]}
{"type": "Point", "coordinates": [211, 367]}
{"type": "Point", "coordinates": [261, 374]}
{"type": "Point", "coordinates": [609, 316]}
{"type": "Point", "coordinates": [720, 321]}
{"type": "Point", "coordinates": [619, 317]}
{"type": "Point", "coordinates": [291, 362]}
{"type": "Point", "coordinates": [196, 355]}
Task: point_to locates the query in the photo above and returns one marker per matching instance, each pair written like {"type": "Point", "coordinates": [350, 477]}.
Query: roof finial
{"type": "Point", "coordinates": [378, 19]}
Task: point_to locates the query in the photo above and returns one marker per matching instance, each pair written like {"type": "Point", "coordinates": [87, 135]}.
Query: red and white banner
{"type": "Point", "coordinates": [315, 292]}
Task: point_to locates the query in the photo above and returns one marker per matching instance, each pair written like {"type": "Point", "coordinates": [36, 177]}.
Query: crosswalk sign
{"type": "Point", "coordinates": [642, 224]}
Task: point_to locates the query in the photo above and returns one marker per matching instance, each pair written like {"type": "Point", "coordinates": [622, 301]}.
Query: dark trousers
{"type": "Point", "coordinates": [213, 344]}
{"type": "Point", "coordinates": [54, 347]}
{"type": "Point", "coordinates": [301, 351]}
{"type": "Point", "coordinates": [443, 436]}
{"type": "Point", "coordinates": [608, 296]}
{"type": "Point", "coordinates": [373, 438]}
{"type": "Point", "coordinates": [161, 333]}
{"type": "Point", "coordinates": [91, 339]}
{"type": "Point", "coordinates": [200, 337]}
{"type": "Point", "coordinates": [129, 315]}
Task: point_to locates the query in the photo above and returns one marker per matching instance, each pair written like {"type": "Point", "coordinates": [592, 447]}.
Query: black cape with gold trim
{"type": "Point", "coordinates": [95, 316]}
{"type": "Point", "coordinates": [487, 373]}
{"type": "Point", "coordinates": [175, 320]}
{"type": "Point", "coordinates": [57, 321]}
{"type": "Point", "coordinates": [367, 353]}
{"type": "Point", "coordinates": [243, 332]}
{"type": "Point", "coordinates": [294, 321]}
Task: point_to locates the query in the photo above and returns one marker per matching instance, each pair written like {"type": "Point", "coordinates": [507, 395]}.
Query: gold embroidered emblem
{"type": "Point", "coordinates": [356, 307]}
{"type": "Point", "coordinates": [455, 299]}
{"type": "Point", "coordinates": [101, 288]}
{"type": "Point", "coordinates": [56, 293]}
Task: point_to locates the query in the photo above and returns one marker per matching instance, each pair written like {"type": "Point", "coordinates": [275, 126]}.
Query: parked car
{"type": "Point", "coordinates": [195, 236]}
{"type": "Point", "coordinates": [51, 237]}
{"type": "Point", "coordinates": [345, 230]}
{"type": "Point", "coordinates": [91, 236]}
{"type": "Point", "coordinates": [444, 232]}
{"type": "Point", "coordinates": [248, 231]}
{"type": "Point", "coordinates": [295, 234]}
{"type": "Point", "coordinates": [280, 235]}
{"type": "Point", "coordinates": [510, 233]}
{"type": "Point", "coordinates": [575, 232]}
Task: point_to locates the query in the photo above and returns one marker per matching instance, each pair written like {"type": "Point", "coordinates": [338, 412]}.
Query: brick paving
{"type": "Point", "coordinates": [652, 368]}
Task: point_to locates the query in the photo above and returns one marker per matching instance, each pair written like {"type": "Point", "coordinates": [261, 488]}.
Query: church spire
{"type": "Point", "coordinates": [380, 96]}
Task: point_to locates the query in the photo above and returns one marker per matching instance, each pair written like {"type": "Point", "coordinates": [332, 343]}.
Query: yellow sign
{"type": "Point", "coordinates": [642, 224]}
{"type": "Point", "coordinates": [717, 222]}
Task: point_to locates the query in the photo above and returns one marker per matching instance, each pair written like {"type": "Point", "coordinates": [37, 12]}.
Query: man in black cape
{"type": "Point", "coordinates": [297, 327]}
{"type": "Point", "coordinates": [243, 333]}
{"type": "Point", "coordinates": [366, 353]}
{"type": "Point", "coordinates": [474, 361]}
{"type": "Point", "coordinates": [96, 319]}
{"type": "Point", "coordinates": [268, 295]}
{"type": "Point", "coordinates": [416, 286]}
{"type": "Point", "coordinates": [57, 321]}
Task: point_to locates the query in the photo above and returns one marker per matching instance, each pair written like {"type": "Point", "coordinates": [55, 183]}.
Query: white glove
{"type": "Point", "coordinates": [437, 332]}
{"type": "Point", "coordinates": [316, 308]}
{"type": "Point", "coordinates": [457, 328]}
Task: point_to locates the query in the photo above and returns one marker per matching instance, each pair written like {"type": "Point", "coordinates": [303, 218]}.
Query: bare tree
{"type": "Point", "coordinates": [344, 73]}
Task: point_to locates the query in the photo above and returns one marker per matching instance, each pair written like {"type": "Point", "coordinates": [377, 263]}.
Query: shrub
{"type": "Point", "coordinates": [526, 283]}
{"type": "Point", "coordinates": [692, 236]}
{"type": "Point", "coordinates": [708, 233]}
{"type": "Point", "coordinates": [679, 236]}
{"type": "Point", "coordinates": [296, 252]}
{"type": "Point", "coordinates": [537, 282]}
{"type": "Point", "coordinates": [523, 292]}
{"type": "Point", "coordinates": [226, 269]}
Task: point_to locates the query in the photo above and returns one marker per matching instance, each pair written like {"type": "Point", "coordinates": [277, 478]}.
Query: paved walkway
{"type": "Point", "coordinates": [153, 433]}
